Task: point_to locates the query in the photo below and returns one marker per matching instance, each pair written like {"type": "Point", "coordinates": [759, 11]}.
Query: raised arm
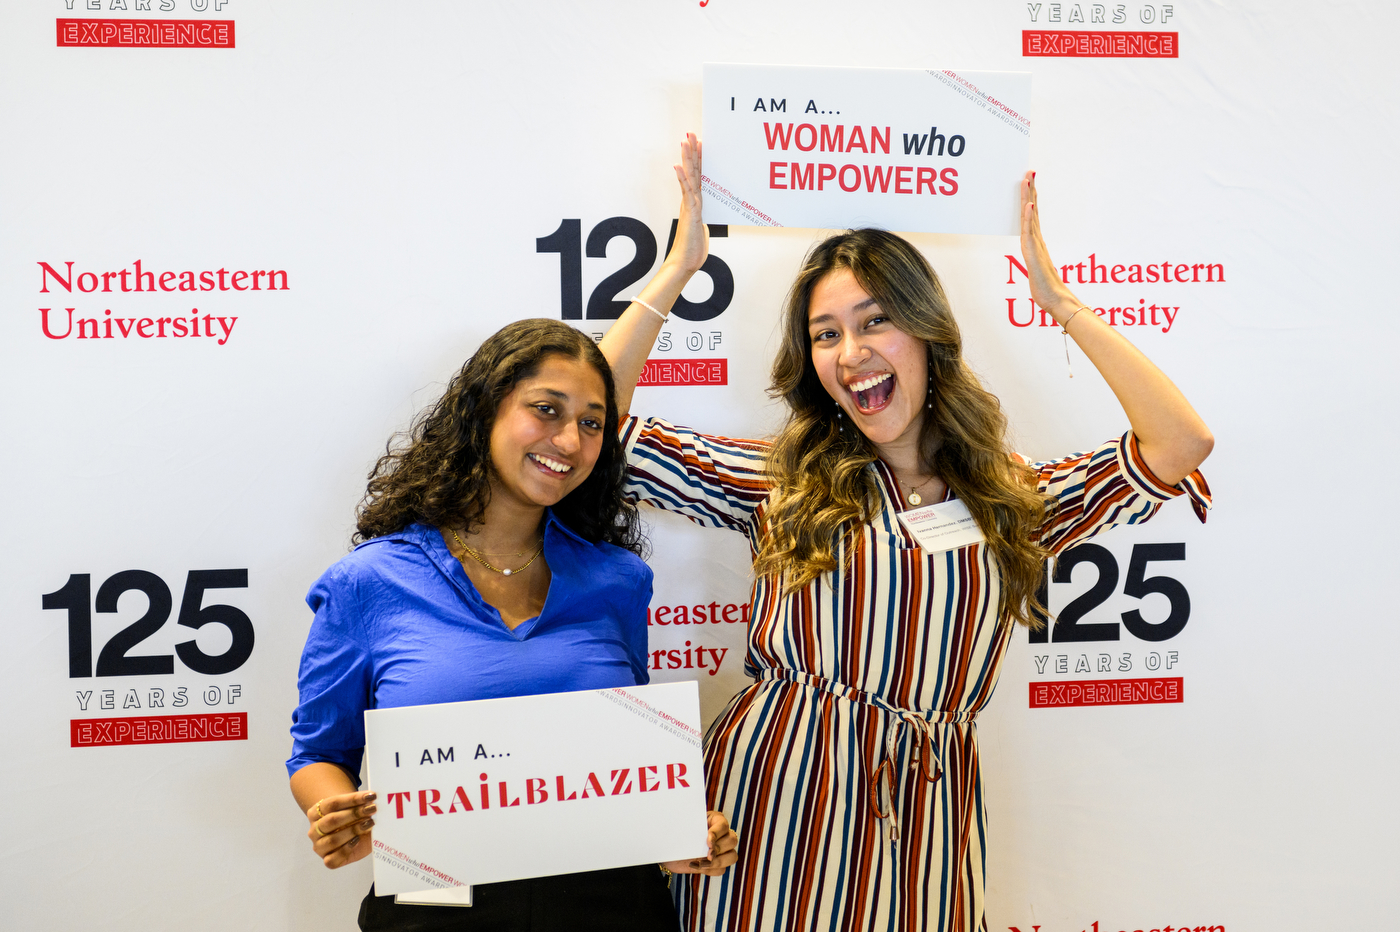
{"type": "Point", "coordinates": [1171, 436]}
{"type": "Point", "coordinates": [629, 341]}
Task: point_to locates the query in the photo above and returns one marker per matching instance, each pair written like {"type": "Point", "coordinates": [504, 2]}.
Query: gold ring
{"type": "Point", "coordinates": [318, 829]}
{"type": "Point", "coordinates": [319, 813]}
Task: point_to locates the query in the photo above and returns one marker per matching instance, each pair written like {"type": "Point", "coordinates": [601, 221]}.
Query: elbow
{"type": "Point", "coordinates": [1199, 447]}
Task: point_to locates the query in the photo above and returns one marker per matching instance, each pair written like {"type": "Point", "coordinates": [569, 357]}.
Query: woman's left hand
{"type": "Point", "coordinates": [1047, 290]}
{"type": "Point", "coordinates": [724, 851]}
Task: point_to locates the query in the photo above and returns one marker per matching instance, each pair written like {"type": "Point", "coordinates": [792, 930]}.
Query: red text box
{"type": "Point", "coordinates": [1036, 43]}
{"type": "Point", "coordinates": [146, 33]}
{"type": "Point", "coordinates": [1076, 693]}
{"type": "Point", "coordinates": [158, 729]}
{"type": "Point", "coordinates": [685, 372]}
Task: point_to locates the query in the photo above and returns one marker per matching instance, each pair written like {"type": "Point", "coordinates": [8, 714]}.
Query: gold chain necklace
{"type": "Point", "coordinates": [914, 497]}
{"type": "Point", "coordinates": [476, 555]}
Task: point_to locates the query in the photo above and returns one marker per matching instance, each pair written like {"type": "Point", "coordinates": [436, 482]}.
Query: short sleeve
{"type": "Point", "coordinates": [1107, 487]}
{"type": "Point", "coordinates": [714, 481]}
{"type": "Point", "coordinates": [334, 679]}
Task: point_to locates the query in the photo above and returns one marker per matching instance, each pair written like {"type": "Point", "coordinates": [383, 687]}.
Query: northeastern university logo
{"type": "Point", "coordinates": [127, 31]}
{"type": "Point", "coordinates": [1100, 30]}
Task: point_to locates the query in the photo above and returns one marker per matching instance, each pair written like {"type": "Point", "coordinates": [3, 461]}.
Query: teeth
{"type": "Point", "coordinates": [552, 464]}
{"type": "Point", "coordinates": [869, 383]}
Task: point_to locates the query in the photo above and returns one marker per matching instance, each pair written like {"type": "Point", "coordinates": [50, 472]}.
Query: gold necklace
{"type": "Point", "coordinates": [476, 555]}
{"type": "Point", "coordinates": [914, 497]}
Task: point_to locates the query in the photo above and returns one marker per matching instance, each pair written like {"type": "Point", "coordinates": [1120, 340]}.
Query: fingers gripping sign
{"type": "Point", "coordinates": [340, 827]}
{"type": "Point", "coordinates": [723, 850]}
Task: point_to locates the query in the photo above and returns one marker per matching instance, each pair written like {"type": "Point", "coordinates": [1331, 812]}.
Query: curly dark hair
{"type": "Point", "coordinates": [439, 471]}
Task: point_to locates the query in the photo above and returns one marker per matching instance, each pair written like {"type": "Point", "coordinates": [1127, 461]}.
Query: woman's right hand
{"type": "Point", "coordinates": [692, 244]}
{"type": "Point", "coordinates": [340, 827]}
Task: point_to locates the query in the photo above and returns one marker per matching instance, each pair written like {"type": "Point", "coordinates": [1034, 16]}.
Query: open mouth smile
{"type": "Point", "coordinates": [872, 393]}
{"type": "Point", "coordinates": [550, 465]}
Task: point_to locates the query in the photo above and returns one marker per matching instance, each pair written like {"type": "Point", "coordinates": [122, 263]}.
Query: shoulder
{"type": "Point", "coordinates": [382, 560]}
{"type": "Point", "coordinates": [623, 562]}
{"type": "Point", "coordinates": [606, 560]}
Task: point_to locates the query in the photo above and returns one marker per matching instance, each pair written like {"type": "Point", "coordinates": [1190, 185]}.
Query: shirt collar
{"type": "Point", "coordinates": [427, 537]}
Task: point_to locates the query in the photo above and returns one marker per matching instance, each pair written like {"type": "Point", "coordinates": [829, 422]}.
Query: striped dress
{"type": "Point", "coordinates": [849, 768]}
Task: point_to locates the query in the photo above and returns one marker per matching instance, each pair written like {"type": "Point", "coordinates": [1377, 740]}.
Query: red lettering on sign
{"type": "Point", "coordinates": [146, 33]}
{"type": "Point", "coordinates": [1076, 693]}
{"type": "Point", "coordinates": [685, 372]}
{"type": "Point", "coordinates": [1036, 43]}
{"type": "Point", "coordinates": [158, 729]}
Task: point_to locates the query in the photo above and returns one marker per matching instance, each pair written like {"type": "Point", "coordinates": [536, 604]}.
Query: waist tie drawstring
{"type": "Point", "coordinates": [924, 760]}
{"type": "Point", "coordinates": [925, 755]}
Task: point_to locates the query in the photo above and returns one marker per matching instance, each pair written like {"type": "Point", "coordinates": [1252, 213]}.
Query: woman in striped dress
{"type": "Point", "coordinates": [850, 767]}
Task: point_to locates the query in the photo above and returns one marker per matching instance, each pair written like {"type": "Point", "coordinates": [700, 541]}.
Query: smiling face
{"type": "Point", "coordinates": [548, 433]}
{"type": "Point", "coordinates": [876, 372]}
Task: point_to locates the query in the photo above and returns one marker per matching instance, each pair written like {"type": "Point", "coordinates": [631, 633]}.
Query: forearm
{"type": "Point", "coordinates": [319, 781]}
{"type": "Point", "coordinates": [1171, 436]}
{"type": "Point", "coordinates": [628, 343]}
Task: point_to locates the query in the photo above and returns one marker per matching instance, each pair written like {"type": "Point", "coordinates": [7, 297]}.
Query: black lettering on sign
{"type": "Point", "coordinates": [116, 659]}
{"type": "Point", "coordinates": [1068, 625]}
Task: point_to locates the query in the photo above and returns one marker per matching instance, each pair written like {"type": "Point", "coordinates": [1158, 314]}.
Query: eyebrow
{"type": "Point", "coordinates": [827, 318]}
{"type": "Point", "coordinates": [562, 396]}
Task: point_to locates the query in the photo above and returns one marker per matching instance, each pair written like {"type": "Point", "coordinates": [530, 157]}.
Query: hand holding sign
{"type": "Point", "coordinates": [1047, 289]}
{"type": "Point", "coordinates": [692, 244]}
{"type": "Point", "coordinates": [340, 822]}
{"type": "Point", "coordinates": [724, 850]}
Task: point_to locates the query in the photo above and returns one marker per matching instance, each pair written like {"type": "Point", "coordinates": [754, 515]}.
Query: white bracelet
{"type": "Point", "coordinates": [637, 300]}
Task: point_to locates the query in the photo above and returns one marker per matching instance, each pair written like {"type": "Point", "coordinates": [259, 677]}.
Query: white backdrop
{"type": "Point", "coordinates": [399, 161]}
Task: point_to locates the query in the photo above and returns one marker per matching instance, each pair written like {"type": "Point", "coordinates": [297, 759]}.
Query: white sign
{"type": "Point", "coordinates": [944, 526]}
{"type": "Point", "coordinates": [908, 150]}
{"type": "Point", "coordinates": [501, 789]}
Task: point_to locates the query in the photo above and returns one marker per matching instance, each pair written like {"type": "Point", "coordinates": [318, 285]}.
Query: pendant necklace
{"type": "Point", "coordinates": [476, 555]}
{"type": "Point", "coordinates": [914, 498]}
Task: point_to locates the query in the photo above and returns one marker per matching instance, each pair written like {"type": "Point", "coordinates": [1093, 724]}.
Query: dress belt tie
{"type": "Point", "coordinates": [882, 778]}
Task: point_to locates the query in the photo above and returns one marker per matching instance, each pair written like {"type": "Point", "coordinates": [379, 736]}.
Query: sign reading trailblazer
{"type": "Point", "coordinates": [913, 151]}
{"type": "Point", "coordinates": [501, 789]}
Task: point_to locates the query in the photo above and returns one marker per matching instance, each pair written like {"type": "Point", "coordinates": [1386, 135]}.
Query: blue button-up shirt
{"type": "Point", "coordinates": [399, 623]}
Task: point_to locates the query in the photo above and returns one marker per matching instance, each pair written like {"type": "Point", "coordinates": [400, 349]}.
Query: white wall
{"type": "Point", "coordinates": [398, 161]}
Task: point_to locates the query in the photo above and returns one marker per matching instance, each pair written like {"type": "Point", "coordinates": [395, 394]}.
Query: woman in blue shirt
{"type": "Point", "coordinates": [497, 557]}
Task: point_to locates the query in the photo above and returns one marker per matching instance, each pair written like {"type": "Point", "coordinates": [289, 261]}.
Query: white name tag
{"type": "Point", "coordinates": [944, 526]}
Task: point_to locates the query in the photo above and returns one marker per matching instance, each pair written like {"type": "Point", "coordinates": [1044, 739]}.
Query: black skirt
{"type": "Point", "coordinates": [626, 899]}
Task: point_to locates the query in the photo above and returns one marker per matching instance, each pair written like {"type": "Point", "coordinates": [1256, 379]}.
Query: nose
{"type": "Point", "coordinates": [854, 352]}
{"type": "Point", "coordinates": [566, 440]}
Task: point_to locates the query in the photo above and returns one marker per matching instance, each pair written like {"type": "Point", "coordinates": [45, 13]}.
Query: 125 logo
{"type": "Point", "coordinates": [116, 659]}
{"type": "Point", "coordinates": [603, 304]}
{"type": "Point", "coordinates": [1068, 626]}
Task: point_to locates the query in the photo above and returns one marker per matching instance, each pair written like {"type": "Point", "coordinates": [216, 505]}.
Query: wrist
{"type": "Point", "coordinates": [1062, 306]}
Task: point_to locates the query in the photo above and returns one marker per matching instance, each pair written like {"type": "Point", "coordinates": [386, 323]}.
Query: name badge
{"type": "Point", "coordinates": [944, 526]}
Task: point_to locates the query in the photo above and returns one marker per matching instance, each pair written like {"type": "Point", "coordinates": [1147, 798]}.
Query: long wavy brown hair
{"type": "Point", "coordinates": [822, 489]}
{"type": "Point", "coordinates": [439, 471]}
